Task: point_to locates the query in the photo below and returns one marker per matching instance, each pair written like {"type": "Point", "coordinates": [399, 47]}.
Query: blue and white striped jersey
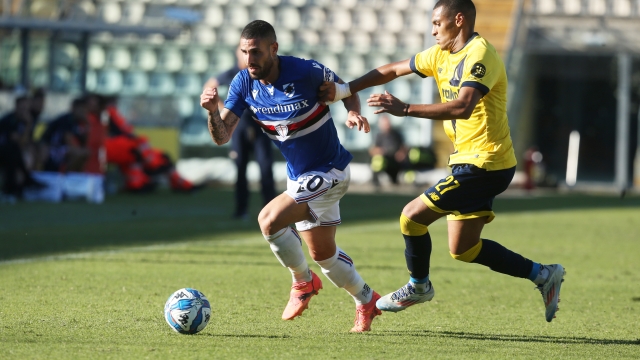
{"type": "Point", "coordinates": [289, 113]}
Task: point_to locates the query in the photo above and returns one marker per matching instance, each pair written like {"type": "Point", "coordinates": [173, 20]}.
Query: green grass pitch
{"type": "Point", "coordinates": [90, 281]}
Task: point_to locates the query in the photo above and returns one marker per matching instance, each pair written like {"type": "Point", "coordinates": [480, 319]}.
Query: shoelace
{"type": "Point", "coordinates": [404, 291]}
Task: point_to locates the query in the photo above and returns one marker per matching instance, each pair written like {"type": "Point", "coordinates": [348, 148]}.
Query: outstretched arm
{"type": "Point", "coordinates": [221, 123]}
{"type": "Point", "coordinates": [381, 75]}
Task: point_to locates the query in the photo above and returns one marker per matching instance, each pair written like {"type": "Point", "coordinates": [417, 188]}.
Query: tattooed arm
{"type": "Point", "coordinates": [221, 123]}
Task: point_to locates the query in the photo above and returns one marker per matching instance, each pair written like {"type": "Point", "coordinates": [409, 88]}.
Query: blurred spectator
{"type": "Point", "coordinates": [15, 130]}
{"type": "Point", "coordinates": [97, 135]}
{"type": "Point", "coordinates": [66, 138]}
{"type": "Point", "coordinates": [36, 106]}
{"type": "Point", "coordinates": [137, 160]}
{"type": "Point", "coordinates": [38, 151]}
{"type": "Point", "coordinates": [389, 153]}
{"type": "Point", "coordinates": [534, 168]}
{"type": "Point", "coordinates": [247, 138]}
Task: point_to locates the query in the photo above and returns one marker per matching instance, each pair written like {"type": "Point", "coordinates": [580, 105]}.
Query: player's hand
{"type": "Point", "coordinates": [387, 104]}
{"type": "Point", "coordinates": [327, 91]}
{"type": "Point", "coordinates": [354, 119]}
{"type": "Point", "coordinates": [209, 99]}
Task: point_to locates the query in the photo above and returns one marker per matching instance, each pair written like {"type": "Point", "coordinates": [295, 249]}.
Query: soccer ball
{"type": "Point", "coordinates": [187, 311]}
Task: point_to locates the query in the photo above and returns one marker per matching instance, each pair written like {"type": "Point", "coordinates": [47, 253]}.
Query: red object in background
{"type": "Point", "coordinates": [96, 138]}
{"type": "Point", "coordinates": [121, 150]}
{"type": "Point", "coordinates": [137, 160]}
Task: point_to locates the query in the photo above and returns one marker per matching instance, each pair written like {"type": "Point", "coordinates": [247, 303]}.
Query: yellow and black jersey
{"type": "Point", "coordinates": [484, 139]}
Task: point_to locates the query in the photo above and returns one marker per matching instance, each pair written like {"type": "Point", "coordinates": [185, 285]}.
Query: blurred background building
{"type": "Point", "coordinates": [573, 65]}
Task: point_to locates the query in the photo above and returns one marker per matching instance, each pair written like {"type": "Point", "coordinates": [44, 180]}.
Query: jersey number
{"type": "Point", "coordinates": [444, 186]}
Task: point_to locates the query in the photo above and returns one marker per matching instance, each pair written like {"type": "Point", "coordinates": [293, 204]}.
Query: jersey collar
{"type": "Point", "coordinates": [468, 41]}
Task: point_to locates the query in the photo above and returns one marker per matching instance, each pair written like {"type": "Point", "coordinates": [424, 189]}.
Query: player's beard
{"type": "Point", "coordinates": [263, 70]}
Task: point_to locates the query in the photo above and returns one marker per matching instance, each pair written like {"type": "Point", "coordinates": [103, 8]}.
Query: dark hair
{"type": "Point", "coordinates": [259, 29]}
{"type": "Point", "coordinates": [453, 7]}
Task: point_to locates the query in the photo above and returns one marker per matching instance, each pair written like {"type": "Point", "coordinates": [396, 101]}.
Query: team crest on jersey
{"type": "Point", "coordinates": [289, 90]}
{"type": "Point", "coordinates": [478, 70]}
{"type": "Point", "coordinates": [254, 93]}
{"type": "Point", "coordinates": [283, 132]}
{"type": "Point", "coordinates": [328, 74]}
{"type": "Point", "coordinates": [315, 65]}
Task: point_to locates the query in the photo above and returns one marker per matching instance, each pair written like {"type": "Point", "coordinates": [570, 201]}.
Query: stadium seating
{"type": "Point", "coordinates": [365, 19]}
{"type": "Point", "coordinates": [160, 84]}
{"type": "Point", "coordinates": [220, 60]}
{"type": "Point", "coordinates": [213, 16]}
{"type": "Point", "coordinates": [144, 58]}
{"type": "Point", "coordinates": [285, 41]}
{"type": "Point", "coordinates": [333, 41]}
{"type": "Point", "coordinates": [359, 42]}
{"type": "Point", "coordinates": [287, 17]}
{"type": "Point", "coordinates": [66, 54]}
{"type": "Point", "coordinates": [44, 9]}
{"type": "Point", "coordinates": [132, 12]}
{"type": "Point", "coordinates": [236, 15]}
{"type": "Point", "coordinates": [329, 60]}
{"type": "Point", "coordinates": [391, 20]}
{"type": "Point", "coordinates": [118, 57]}
{"type": "Point", "coordinates": [307, 39]}
{"type": "Point", "coordinates": [339, 20]}
{"type": "Point", "coordinates": [188, 84]}
{"type": "Point", "coordinates": [135, 83]}
{"type": "Point", "coordinates": [109, 81]}
{"type": "Point", "coordinates": [110, 11]}
{"type": "Point", "coordinates": [97, 57]}
{"type": "Point", "coordinates": [195, 60]}
{"type": "Point", "coordinates": [169, 59]}
{"type": "Point", "coordinates": [352, 66]}
{"type": "Point", "coordinates": [204, 35]}
{"type": "Point", "coordinates": [313, 18]}
{"type": "Point", "coordinates": [262, 12]}
{"type": "Point", "coordinates": [348, 36]}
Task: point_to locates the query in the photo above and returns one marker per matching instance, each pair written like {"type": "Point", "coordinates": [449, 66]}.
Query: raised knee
{"type": "Point", "coordinates": [266, 220]}
{"type": "Point", "coordinates": [411, 228]}
{"type": "Point", "coordinates": [410, 211]}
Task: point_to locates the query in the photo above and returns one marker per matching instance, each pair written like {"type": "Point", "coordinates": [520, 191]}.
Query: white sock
{"type": "Point", "coordinates": [287, 247]}
{"type": "Point", "coordinates": [340, 270]}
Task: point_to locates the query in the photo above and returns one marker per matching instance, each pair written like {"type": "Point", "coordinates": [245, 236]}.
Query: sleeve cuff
{"type": "Point", "coordinates": [412, 65]}
{"type": "Point", "coordinates": [476, 85]}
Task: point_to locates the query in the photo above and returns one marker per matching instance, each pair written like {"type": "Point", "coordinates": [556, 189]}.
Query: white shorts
{"type": "Point", "coordinates": [322, 192]}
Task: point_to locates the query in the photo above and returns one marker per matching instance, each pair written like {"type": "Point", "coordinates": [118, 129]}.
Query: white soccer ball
{"type": "Point", "coordinates": [187, 311]}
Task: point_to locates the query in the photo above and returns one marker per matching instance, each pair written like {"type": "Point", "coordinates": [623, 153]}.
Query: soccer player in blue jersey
{"type": "Point", "coordinates": [472, 82]}
{"type": "Point", "coordinates": [281, 93]}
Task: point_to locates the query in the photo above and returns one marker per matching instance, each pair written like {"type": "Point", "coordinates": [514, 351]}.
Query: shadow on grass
{"type": "Point", "coordinates": [509, 338]}
{"type": "Point", "coordinates": [36, 229]}
{"type": "Point", "coordinates": [284, 336]}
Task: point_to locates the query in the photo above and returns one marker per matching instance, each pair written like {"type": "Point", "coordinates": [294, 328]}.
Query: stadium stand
{"type": "Point", "coordinates": [350, 36]}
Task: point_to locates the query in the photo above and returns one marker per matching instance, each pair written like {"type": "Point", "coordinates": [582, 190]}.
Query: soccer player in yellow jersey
{"type": "Point", "coordinates": [472, 82]}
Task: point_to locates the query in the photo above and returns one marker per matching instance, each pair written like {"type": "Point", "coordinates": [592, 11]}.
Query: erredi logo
{"type": "Point", "coordinates": [281, 108]}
